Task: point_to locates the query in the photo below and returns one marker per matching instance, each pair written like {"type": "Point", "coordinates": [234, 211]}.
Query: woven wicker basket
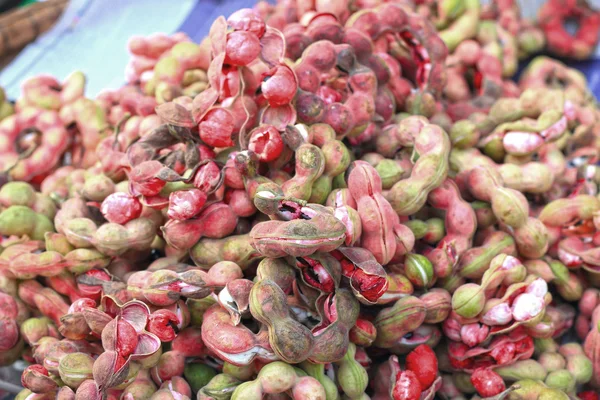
{"type": "Point", "coordinates": [21, 26]}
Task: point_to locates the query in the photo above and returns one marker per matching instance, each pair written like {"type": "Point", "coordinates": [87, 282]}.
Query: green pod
{"type": "Point", "coordinates": [522, 369]}
{"type": "Point", "coordinates": [239, 372]}
{"type": "Point", "coordinates": [198, 375]}
{"type": "Point", "coordinates": [476, 261]}
{"type": "Point", "coordinates": [572, 289]}
{"type": "Point", "coordinates": [552, 361]}
{"type": "Point", "coordinates": [197, 308]}
{"type": "Point", "coordinates": [580, 366]}
{"type": "Point", "coordinates": [80, 231]}
{"type": "Point", "coordinates": [531, 238]}
{"type": "Point", "coordinates": [80, 261]}
{"type": "Point", "coordinates": [418, 228]}
{"type": "Point", "coordinates": [431, 149]}
{"type": "Point", "coordinates": [351, 376]}
{"type": "Point", "coordinates": [45, 205]}
{"type": "Point", "coordinates": [42, 226]}
{"type": "Point", "coordinates": [317, 371]}
{"type": "Point", "coordinates": [462, 381]}
{"type": "Point", "coordinates": [171, 187]}
{"type": "Point", "coordinates": [6, 110]}
{"type": "Point", "coordinates": [418, 270]}
{"type": "Point", "coordinates": [509, 206]}
{"type": "Point", "coordinates": [140, 389]}
{"type": "Point", "coordinates": [238, 249]}
{"type": "Point", "coordinates": [33, 329]}
{"type": "Point", "coordinates": [560, 271]}
{"type": "Point", "coordinates": [468, 300]}
{"type": "Point", "coordinates": [278, 270]}
{"type": "Point", "coordinates": [57, 242]}
{"type": "Point", "coordinates": [406, 315]}
{"type": "Point", "coordinates": [24, 394]}
{"type": "Point", "coordinates": [339, 182]}
{"type": "Point", "coordinates": [321, 189]}
{"type": "Point", "coordinates": [220, 387]}
{"type": "Point", "coordinates": [273, 378]}
{"type": "Point", "coordinates": [529, 389]}
{"type": "Point", "coordinates": [464, 27]}
{"type": "Point", "coordinates": [248, 391]}
{"type": "Point", "coordinates": [310, 164]}
{"type": "Point", "coordinates": [18, 221]}
{"type": "Point", "coordinates": [545, 345]}
{"type": "Point", "coordinates": [75, 368]}
{"type": "Point", "coordinates": [17, 194]}
{"type": "Point", "coordinates": [494, 149]}
{"type": "Point", "coordinates": [290, 340]}
{"type": "Point", "coordinates": [98, 187]}
{"type": "Point", "coordinates": [390, 172]}
{"type": "Point", "coordinates": [552, 394]}
{"type": "Point", "coordinates": [464, 134]}
{"type": "Point", "coordinates": [561, 379]}
{"type": "Point", "coordinates": [559, 212]}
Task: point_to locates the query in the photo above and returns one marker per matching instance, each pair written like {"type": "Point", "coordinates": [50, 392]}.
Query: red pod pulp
{"type": "Point", "coordinates": [406, 387]}
{"type": "Point", "coordinates": [266, 142]}
{"type": "Point", "coordinates": [487, 382]}
{"type": "Point", "coordinates": [423, 362]}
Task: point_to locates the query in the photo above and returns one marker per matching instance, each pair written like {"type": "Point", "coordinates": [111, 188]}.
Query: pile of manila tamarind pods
{"type": "Point", "coordinates": [322, 200]}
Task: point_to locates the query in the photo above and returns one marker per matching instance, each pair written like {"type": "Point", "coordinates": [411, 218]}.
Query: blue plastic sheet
{"type": "Point", "coordinates": [92, 34]}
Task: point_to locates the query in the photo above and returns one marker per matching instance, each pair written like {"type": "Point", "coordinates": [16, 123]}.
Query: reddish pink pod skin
{"type": "Point", "coordinates": [296, 40]}
{"type": "Point", "coordinates": [216, 221]}
{"type": "Point", "coordinates": [189, 342]}
{"type": "Point", "coordinates": [233, 177]}
{"type": "Point", "coordinates": [10, 329]}
{"type": "Point", "coordinates": [460, 223]}
{"type": "Point", "coordinates": [308, 77]}
{"type": "Point", "coordinates": [321, 232]}
{"type": "Point", "coordinates": [362, 107]}
{"type": "Point", "coordinates": [236, 344]}
{"type": "Point", "coordinates": [238, 107]}
{"type": "Point", "coordinates": [152, 46]}
{"type": "Point", "coordinates": [324, 26]}
{"type": "Point", "coordinates": [242, 48]}
{"type": "Point", "coordinates": [186, 204]}
{"type": "Point", "coordinates": [143, 180]}
{"type": "Point", "coordinates": [340, 117]}
{"type": "Point", "coordinates": [53, 141]}
{"type": "Point", "coordinates": [171, 364]}
{"type": "Point", "coordinates": [217, 127]}
{"type": "Point", "coordinates": [310, 108]}
{"type": "Point", "coordinates": [247, 20]}
{"type": "Point", "coordinates": [159, 324]}
{"type": "Point", "coordinates": [591, 347]}
{"type": "Point", "coordinates": [121, 208]}
{"type": "Point", "coordinates": [280, 88]}
{"type": "Point", "coordinates": [362, 65]}
{"type": "Point", "coordinates": [266, 142]}
{"type": "Point", "coordinates": [207, 177]}
{"type": "Point", "coordinates": [51, 304]}
{"type": "Point", "coordinates": [377, 216]}
{"type": "Point", "coordinates": [240, 203]}
{"type": "Point", "coordinates": [588, 302]}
